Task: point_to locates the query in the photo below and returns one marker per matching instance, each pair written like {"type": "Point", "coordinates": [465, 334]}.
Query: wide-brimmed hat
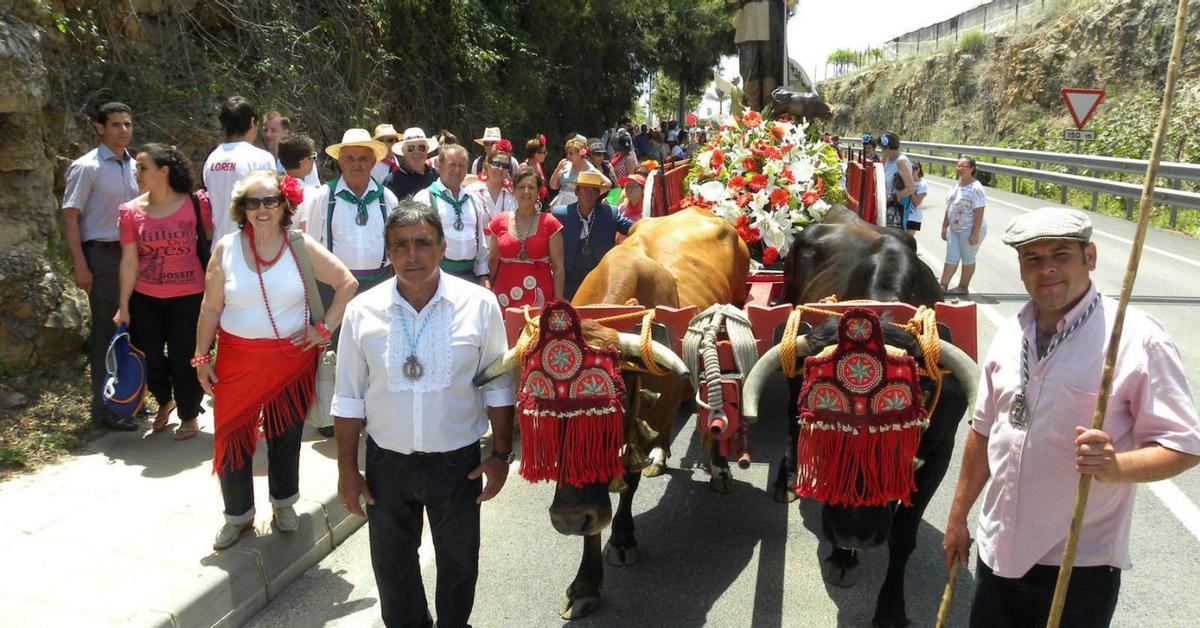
{"type": "Point", "coordinates": [490, 134]}
{"type": "Point", "coordinates": [357, 137]}
{"type": "Point", "coordinates": [414, 135]}
{"type": "Point", "coordinates": [588, 177]}
{"type": "Point", "coordinates": [633, 178]}
{"type": "Point", "coordinates": [385, 130]}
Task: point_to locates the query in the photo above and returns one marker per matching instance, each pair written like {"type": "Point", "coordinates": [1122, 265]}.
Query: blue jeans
{"type": "Point", "coordinates": [1025, 601]}
{"type": "Point", "coordinates": [958, 246]}
{"type": "Point", "coordinates": [405, 485]}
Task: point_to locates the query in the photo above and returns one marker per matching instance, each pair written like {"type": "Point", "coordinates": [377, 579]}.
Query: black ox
{"type": "Point", "coordinates": [852, 259]}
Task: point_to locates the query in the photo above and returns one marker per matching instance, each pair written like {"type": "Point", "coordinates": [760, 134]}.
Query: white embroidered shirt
{"type": "Point", "coordinates": [457, 335]}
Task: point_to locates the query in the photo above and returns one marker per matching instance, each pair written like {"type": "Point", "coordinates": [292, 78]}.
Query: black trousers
{"type": "Point", "coordinates": [1025, 601]}
{"type": "Point", "coordinates": [157, 324]}
{"type": "Point", "coordinates": [104, 260]}
{"type": "Point", "coordinates": [405, 485]}
{"type": "Point", "coordinates": [283, 476]}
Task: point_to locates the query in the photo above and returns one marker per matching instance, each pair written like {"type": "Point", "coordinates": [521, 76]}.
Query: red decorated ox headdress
{"type": "Point", "coordinates": [861, 418]}
{"type": "Point", "coordinates": [569, 405]}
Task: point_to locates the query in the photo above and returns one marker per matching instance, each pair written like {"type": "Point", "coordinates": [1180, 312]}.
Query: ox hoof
{"type": "Point", "coordinates": [621, 556]}
{"type": "Point", "coordinates": [721, 483]}
{"type": "Point", "coordinates": [655, 469]}
{"type": "Point", "coordinates": [783, 495]}
{"type": "Point", "coordinates": [840, 573]}
{"type": "Point", "coordinates": [579, 607]}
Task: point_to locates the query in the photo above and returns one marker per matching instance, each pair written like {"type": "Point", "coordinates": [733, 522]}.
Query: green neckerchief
{"type": "Point", "coordinates": [440, 192]}
{"type": "Point", "coordinates": [372, 195]}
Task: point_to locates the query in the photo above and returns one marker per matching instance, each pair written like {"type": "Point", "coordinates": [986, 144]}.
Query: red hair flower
{"type": "Point", "coordinates": [737, 182]}
{"type": "Point", "coordinates": [810, 197]}
{"type": "Point", "coordinates": [758, 182]}
{"type": "Point", "coordinates": [291, 189]}
{"type": "Point", "coordinates": [770, 254]}
{"type": "Point", "coordinates": [504, 146]}
{"type": "Point", "coordinates": [779, 197]}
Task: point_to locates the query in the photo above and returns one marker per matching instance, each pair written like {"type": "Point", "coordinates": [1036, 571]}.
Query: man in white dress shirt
{"type": "Point", "coordinates": [409, 351]}
{"type": "Point", "coordinates": [466, 254]}
{"type": "Point", "coordinates": [233, 159]}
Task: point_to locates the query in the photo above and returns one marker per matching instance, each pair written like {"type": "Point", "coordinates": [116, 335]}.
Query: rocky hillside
{"type": "Point", "coordinates": [1006, 92]}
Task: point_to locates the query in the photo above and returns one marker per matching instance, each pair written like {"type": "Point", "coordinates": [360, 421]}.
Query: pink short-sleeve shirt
{"type": "Point", "coordinates": [1027, 504]}
{"type": "Point", "coordinates": [168, 266]}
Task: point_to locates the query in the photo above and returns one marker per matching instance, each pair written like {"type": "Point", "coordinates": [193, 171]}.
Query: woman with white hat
{"type": "Point", "coordinates": [491, 136]}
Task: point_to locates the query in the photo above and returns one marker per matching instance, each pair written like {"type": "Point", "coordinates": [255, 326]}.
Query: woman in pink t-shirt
{"type": "Point", "coordinates": [162, 280]}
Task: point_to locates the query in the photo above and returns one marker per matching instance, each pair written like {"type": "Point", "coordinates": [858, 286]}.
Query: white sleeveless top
{"type": "Point", "coordinates": [244, 314]}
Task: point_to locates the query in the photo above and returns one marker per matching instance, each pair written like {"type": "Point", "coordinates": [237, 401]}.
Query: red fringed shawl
{"type": "Point", "coordinates": [263, 383]}
{"type": "Point", "coordinates": [570, 405]}
{"type": "Point", "coordinates": [861, 418]}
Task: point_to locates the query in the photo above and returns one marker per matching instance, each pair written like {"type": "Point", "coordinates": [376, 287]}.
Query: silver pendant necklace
{"type": "Point", "coordinates": [1018, 411]}
{"type": "Point", "coordinates": [413, 369]}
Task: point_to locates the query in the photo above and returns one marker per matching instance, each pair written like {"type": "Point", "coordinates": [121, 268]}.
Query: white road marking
{"type": "Point", "coordinates": [1145, 247]}
{"type": "Point", "coordinates": [1184, 510]}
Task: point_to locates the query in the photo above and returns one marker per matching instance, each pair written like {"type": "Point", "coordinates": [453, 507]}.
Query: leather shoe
{"type": "Point", "coordinates": [326, 431]}
{"type": "Point", "coordinates": [229, 534]}
{"type": "Point", "coordinates": [286, 519]}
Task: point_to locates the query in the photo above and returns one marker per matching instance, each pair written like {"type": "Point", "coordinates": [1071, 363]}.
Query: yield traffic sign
{"type": "Point", "coordinates": [1081, 103]}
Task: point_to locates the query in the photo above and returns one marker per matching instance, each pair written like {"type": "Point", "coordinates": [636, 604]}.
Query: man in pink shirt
{"type": "Point", "coordinates": [1037, 392]}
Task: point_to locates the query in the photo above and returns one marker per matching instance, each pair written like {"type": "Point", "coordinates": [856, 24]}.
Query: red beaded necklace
{"type": "Point", "coordinates": [258, 264]}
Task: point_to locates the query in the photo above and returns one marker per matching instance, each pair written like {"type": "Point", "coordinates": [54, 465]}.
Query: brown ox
{"type": "Point", "coordinates": [688, 258]}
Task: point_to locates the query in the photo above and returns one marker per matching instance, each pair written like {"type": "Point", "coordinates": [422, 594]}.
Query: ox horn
{"type": "Point", "coordinates": [630, 345]}
{"type": "Point", "coordinates": [763, 369]}
{"type": "Point", "coordinates": [964, 369]}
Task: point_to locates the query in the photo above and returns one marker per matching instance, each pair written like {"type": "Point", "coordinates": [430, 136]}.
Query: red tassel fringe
{"type": "Point", "coordinates": [846, 468]}
{"type": "Point", "coordinates": [557, 444]}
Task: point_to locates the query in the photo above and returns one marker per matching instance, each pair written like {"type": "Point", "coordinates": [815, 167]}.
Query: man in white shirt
{"type": "Point", "coordinates": [276, 128]}
{"type": "Point", "coordinates": [232, 160]}
{"type": "Point", "coordinates": [406, 360]}
{"type": "Point", "coordinates": [466, 254]}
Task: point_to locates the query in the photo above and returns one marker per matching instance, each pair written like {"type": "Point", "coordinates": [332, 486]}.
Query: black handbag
{"type": "Point", "coordinates": [203, 243]}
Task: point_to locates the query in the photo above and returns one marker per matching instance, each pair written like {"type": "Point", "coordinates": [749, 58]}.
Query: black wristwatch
{"type": "Point", "coordinates": [506, 456]}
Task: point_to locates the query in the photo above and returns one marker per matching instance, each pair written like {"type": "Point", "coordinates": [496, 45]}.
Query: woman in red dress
{"type": "Point", "coordinates": [526, 249]}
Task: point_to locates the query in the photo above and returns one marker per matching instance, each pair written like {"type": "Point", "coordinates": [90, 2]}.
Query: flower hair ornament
{"type": "Point", "coordinates": [504, 146]}
{"type": "Point", "coordinates": [291, 189]}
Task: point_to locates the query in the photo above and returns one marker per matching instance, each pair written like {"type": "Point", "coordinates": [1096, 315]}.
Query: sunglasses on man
{"type": "Point", "coordinates": [270, 202]}
{"type": "Point", "coordinates": [415, 148]}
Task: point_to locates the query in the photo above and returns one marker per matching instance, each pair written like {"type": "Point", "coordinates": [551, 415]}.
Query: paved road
{"type": "Point", "coordinates": [742, 560]}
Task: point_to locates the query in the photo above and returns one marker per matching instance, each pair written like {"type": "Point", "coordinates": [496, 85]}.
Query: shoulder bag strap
{"type": "Point", "coordinates": [315, 306]}
{"type": "Point", "coordinates": [202, 242]}
{"type": "Point", "coordinates": [383, 211]}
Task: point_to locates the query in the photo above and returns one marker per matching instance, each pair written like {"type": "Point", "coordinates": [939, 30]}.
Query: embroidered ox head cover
{"type": "Point", "coordinates": [861, 418]}
{"type": "Point", "coordinates": [569, 405]}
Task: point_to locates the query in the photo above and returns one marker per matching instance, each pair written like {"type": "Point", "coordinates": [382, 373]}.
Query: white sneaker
{"type": "Point", "coordinates": [230, 533]}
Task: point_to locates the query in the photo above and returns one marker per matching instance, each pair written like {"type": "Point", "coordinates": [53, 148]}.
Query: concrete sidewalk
{"type": "Point", "coordinates": [121, 535]}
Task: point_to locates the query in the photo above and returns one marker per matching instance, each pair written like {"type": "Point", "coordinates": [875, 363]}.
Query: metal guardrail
{"type": "Point", "coordinates": [1130, 192]}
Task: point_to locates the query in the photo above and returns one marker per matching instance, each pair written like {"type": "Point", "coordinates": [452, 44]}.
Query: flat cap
{"type": "Point", "coordinates": [1048, 223]}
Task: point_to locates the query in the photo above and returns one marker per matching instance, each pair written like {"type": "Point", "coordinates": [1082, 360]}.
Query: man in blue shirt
{"type": "Point", "coordinates": [97, 184]}
{"type": "Point", "coordinates": [590, 228]}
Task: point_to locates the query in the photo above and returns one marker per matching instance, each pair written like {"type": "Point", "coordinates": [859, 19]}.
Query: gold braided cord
{"type": "Point", "coordinates": [532, 332]}
{"type": "Point", "coordinates": [923, 327]}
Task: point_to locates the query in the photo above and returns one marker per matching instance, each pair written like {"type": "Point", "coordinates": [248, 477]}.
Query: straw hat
{"type": "Point", "coordinates": [385, 130]}
{"type": "Point", "coordinates": [490, 134]}
{"type": "Point", "coordinates": [413, 135]}
{"type": "Point", "coordinates": [588, 177]}
{"type": "Point", "coordinates": [357, 137]}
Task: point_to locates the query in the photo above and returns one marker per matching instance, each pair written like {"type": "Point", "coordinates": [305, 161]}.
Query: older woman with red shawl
{"type": "Point", "coordinates": [256, 305]}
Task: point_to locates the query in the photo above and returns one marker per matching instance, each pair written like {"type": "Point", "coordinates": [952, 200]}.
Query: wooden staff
{"type": "Point", "coordinates": [947, 595]}
{"type": "Point", "coordinates": [1135, 255]}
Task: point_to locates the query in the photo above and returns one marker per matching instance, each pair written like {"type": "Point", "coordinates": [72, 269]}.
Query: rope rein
{"type": "Point", "coordinates": [922, 326]}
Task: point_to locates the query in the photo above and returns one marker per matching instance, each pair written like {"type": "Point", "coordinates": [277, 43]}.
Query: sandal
{"type": "Point", "coordinates": [185, 431]}
{"type": "Point", "coordinates": [163, 417]}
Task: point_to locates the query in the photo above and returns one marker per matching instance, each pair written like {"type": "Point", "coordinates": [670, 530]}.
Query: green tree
{"type": "Point", "coordinates": [691, 36]}
{"type": "Point", "coordinates": [664, 100]}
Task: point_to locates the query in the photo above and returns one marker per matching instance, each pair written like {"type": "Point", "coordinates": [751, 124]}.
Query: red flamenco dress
{"type": "Point", "coordinates": [523, 273]}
